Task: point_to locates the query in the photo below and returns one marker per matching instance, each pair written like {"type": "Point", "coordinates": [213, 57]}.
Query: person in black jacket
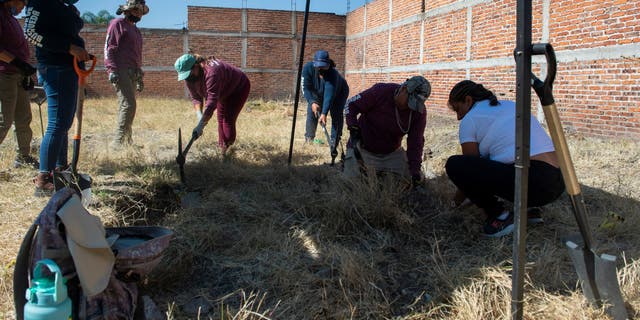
{"type": "Point", "coordinates": [53, 27]}
{"type": "Point", "coordinates": [326, 91]}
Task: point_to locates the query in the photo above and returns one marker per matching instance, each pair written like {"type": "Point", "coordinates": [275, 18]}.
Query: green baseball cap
{"type": "Point", "coordinates": [183, 66]}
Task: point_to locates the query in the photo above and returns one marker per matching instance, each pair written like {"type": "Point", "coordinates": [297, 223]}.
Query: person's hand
{"type": "Point", "coordinates": [26, 69]}
{"type": "Point", "coordinates": [315, 109]}
{"type": "Point", "coordinates": [198, 130]}
{"type": "Point", "coordinates": [139, 85]}
{"type": "Point", "coordinates": [28, 83]}
{"type": "Point", "coordinates": [80, 53]}
{"type": "Point", "coordinates": [323, 120]}
{"type": "Point", "coordinates": [114, 77]}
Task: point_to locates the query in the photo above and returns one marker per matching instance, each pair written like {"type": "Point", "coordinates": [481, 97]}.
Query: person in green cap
{"type": "Point", "coordinates": [214, 85]}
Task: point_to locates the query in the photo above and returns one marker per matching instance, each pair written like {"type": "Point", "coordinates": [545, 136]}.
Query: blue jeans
{"type": "Point", "coordinates": [61, 85]}
{"type": "Point", "coordinates": [337, 121]}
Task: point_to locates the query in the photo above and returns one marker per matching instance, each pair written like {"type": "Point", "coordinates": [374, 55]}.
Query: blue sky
{"type": "Point", "coordinates": [173, 13]}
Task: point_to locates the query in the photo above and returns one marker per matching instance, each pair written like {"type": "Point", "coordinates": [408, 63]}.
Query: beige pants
{"type": "Point", "coordinates": [126, 91]}
{"type": "Point", "coordinates": [15, 110]}
{"type": "Point", "coordinates": [394, 162]}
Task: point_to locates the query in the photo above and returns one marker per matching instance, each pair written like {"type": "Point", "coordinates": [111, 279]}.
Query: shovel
{"type": "Point", "coordinates": [597, 273]}
{"type": "Point", "coordinates": [80, 182]}
{"type": "Point", "coordinates": [332, 149]}
{"type": "Point", "coordinates": [182, 154]}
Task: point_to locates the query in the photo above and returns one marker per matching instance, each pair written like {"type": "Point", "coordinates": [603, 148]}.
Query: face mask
{"type": "Point", "coordinates": [133, 18]}
{"type": "Point", "coordinates": [14, 11]}
{"type": "Point", "coordinates": [191, 78]}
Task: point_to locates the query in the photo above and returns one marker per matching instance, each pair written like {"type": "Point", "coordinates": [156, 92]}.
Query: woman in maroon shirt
{"type": "Point", "coordinates": [214, 84]}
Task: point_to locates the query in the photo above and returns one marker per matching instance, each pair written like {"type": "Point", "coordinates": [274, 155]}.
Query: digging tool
{"type": "Point", "coordinates": [39, 97]}
{"type": "Point", "coordinates": [182, 154]}
{"type": "Point", "coordinates": [597, 273]}
{"type": "Point", "coordinates": [332, 149]}
{"type": "Point", "coordinates": [80, 182]}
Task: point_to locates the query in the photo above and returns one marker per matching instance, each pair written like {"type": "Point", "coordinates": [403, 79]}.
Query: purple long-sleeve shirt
{"type": "Point", "coordinates": [374, 111]}
{"type": "Point", "coordinates": [221, 80]}
{"type": "Point", "coordinates": [123, 46]}
{"type": "Point", "coordinates": [12, 40]}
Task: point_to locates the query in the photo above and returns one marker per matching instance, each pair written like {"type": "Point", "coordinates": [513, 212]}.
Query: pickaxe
{"type": "Point", "coordinates": [182, 154]}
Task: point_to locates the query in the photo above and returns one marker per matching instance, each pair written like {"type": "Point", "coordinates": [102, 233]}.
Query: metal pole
{"type": "Point", "coordinates": [299, 79]}
{"type": "Point", "coordinates": [523, 134]}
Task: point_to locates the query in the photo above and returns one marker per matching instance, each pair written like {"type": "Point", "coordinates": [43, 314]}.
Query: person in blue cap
{"type": "Point", "coordinates": [326, 91]}
{"type": "Point", "coordinates": [15, 80]}
{"type": "Point", "coordinates": [378, 119]}
{"type": "Point", "coordinates": [214, 85]}
{"type": "Point", "coordinates": [53, 27]}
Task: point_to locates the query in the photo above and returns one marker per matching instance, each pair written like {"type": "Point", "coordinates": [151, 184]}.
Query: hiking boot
{"type": "Point", "coordinates": [534, 216]}
{"type": "Point", "coordinates": [44, 184]}
{"type": "Point", "coordinates": [497, 228]}
{"type": "Point", "coordinates": [26, 161]}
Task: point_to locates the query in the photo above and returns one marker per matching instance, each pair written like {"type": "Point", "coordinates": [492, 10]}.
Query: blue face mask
{"type": "Point", "coordinates": [14, 11]}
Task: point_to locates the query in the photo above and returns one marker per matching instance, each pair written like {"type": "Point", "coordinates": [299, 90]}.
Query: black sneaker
{"type": "Point", "coordinates": [497, 228]}
{"type": "Point", "coordinates": [26, 161]}
{"type": "Point", "coordinates": [534, 216]}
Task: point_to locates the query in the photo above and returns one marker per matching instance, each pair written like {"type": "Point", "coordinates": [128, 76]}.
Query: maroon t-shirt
{"type": "Point", "coordinates": [383, 126]}
{"type": "Point", "coordinates": [12, 40]}
{"type": "Point", "coordinates": [221, 80]}
{"type": "Point", "coordinates": [123, 46]}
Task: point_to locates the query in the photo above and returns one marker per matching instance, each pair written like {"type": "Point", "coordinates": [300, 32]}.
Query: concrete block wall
{"type": "Point", "coordinates": [597, 44]}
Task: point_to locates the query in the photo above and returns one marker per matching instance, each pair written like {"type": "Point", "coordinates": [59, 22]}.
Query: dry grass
{"type": "Point", "coordinates": [269, 241]}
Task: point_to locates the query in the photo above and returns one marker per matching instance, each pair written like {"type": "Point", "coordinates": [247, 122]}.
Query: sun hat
{"type": "Point", "coordinates": [321, 59]}
{"type": "Point", "coordinates": [133, 4]}
{"type": "Point", "coordinates": [183, 65]}
{"type": "Point", "coordinates": [419, 89]}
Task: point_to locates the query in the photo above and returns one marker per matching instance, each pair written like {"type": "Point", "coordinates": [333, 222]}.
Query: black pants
{"type": "Point", "coordinates": [483, 180]}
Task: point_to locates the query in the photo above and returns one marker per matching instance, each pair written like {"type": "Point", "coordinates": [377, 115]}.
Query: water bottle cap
{"type": "Point", "coordinates": [47, 290]}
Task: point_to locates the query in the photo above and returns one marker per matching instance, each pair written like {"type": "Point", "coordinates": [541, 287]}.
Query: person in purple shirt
{"type": "Point", "coordinates": [123, 61]}
{"type": "Point", "coordinates": [214, 85]}
{"type": "Point", "coordinates": [15, 81]}
{"type": "Point", "coordinates": [378, 118]}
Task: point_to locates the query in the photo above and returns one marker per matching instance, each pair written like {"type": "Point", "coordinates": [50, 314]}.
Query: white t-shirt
{"type": "Point", "coordinates": [494, 129]}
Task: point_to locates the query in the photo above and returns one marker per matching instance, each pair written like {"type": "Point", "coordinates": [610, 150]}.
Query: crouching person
{"type": "Point", "coordinates": [378, 119]}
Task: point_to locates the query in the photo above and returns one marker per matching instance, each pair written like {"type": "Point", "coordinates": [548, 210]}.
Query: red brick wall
{"type": "Point", "coordinates": [597, 43]}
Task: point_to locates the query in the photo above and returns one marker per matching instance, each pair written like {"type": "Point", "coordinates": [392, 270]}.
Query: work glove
{"type": "Point", "coordinates": [139, 82]}
{"type": "Point", "coordinates": [114, 77]}
{"type": "Point", "coordinates": [26, 69]}
{"type": "Point", "coordinates": [28, 83]}
{"type": "Point", "coordinates": [197, 131]}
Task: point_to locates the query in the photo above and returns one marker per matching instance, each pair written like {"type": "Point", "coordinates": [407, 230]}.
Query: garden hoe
{"type": "Point", "coordinates": [80, 182]}
{"type": "Point", "coordinates": [182, 154]}
{"type": "Point", "coordinates": [332, 148]}
{"type": "Point", "coordinates": [597, 272]}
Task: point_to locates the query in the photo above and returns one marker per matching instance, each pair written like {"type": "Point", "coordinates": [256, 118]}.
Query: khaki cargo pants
{"type": "Point", "coordinates": [394, 162]}
{"type": "Point", "coordinates": [15, 110]}
{"type": "Point", "coordinates": [126, 91]}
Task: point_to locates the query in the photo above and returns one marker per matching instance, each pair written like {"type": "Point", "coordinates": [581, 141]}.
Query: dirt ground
{"type": "Point", "coordinates": [257, 238]}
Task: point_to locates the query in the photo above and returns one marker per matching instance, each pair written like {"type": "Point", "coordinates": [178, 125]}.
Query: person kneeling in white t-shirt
{"type": "Point", "coordinates": [485, 171]}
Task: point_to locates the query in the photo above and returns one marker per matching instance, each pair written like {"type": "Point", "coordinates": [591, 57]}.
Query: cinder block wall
{"type": "Point", "coordinates": [597, 43]}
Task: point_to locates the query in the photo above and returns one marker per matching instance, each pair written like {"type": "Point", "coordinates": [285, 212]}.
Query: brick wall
{"type": "Point", "coordinates": [597, 44]}
{"type": "Point", "coordinates": [264, 43]}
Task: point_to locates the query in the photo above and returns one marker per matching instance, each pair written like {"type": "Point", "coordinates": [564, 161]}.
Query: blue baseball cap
{"type": "Point", "coordinates": [321, 59]}
{"type": "Point", "coordinates": [183, 66]}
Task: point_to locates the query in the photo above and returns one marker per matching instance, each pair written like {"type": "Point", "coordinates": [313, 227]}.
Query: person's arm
{"type": "Point", "coordinates": [330, 83]}
{"type": "Point", "coordinates": [415, 143]}
{"type": "Point", "coordinates": [114, 34]}
{"type": "Point", "coordinates": [213, 85]}
{"type": "Point", "coordinates": [308, 90]}
{"type": "Point", "coordinates": [470, 149]}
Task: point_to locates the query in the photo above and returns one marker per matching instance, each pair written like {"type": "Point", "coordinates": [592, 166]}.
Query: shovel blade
{"type": "Point", "coordinates": [598, 279]}
{"type": "Point", "coordinates": [608, 286]}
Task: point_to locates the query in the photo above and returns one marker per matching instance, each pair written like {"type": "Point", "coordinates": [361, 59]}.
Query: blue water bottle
{"type": "Point", "coordinates": [47, 297]}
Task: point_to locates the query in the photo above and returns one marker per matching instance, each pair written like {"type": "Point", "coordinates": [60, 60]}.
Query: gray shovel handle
{"type": "Point", "coordinates": [544, 90]}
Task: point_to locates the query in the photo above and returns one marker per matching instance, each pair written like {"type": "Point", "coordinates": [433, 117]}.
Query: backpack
{"type": "Point", "coordinates": [134, 252]}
